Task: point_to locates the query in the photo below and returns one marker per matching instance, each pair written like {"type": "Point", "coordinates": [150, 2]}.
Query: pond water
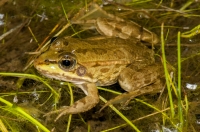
{"type": "Point", "coordinates": [27, 24]}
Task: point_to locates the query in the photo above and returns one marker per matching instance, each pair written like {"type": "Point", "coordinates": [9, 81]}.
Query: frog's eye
{"type": "Point", "coordinates": [67, 62]}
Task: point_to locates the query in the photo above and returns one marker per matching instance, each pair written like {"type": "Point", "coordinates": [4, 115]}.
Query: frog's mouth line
{"type": "Point", "coordinates": [65, 76]}
{"type": "Point", "coordinates": [44, 68]}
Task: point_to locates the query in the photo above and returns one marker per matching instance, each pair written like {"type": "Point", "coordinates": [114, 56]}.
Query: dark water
{"type": "Point", "coordinates": [39, 17]}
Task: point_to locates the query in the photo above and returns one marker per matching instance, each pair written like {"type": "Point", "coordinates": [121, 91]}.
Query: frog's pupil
{"type": "Point", "coordinates": [66, 63]}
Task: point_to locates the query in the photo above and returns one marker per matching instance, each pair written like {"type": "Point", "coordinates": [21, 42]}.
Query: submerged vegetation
{"type": "Point", "coordinates": [26, 97]}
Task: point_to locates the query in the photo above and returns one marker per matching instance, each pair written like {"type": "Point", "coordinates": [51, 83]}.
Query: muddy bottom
{"type": "Point", "coordinates": [30, 23]}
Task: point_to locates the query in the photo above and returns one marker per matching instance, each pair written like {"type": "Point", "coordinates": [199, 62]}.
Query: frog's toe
{"type": "Point", "coordinates": [62, 110]}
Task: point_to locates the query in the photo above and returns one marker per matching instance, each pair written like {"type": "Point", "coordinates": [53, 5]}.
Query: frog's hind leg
{"type": "Point", "coordinates": [133, 78]}
{"type": "Point", "coordinates": [126, 97]}
{"type": "Point", "coordinates": [81, 105]}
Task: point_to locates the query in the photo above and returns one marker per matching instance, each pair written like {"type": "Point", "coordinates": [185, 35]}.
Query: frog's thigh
{"type": "Point", "coordinates": [131, 79]}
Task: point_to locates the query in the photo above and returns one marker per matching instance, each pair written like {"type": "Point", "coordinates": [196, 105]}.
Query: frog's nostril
{"type": "Point", "coordinates": [47, 61]}
{"type": "Point", "coordinates": [53, 39]}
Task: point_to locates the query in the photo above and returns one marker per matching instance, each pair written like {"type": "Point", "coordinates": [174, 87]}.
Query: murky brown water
{"type": "Point", "coordinates": [41, 16]}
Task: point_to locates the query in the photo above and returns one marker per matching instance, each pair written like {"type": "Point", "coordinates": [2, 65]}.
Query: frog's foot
{"type": "Point", "coordinates": [81, 105]}
{"type": "Point", "coordinates": [126, 97]}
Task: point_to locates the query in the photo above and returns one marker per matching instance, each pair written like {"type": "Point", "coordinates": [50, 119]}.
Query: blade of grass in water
{"type": "Point", "coordinates": [166, 71]}
{"type": "Point", "coordinates": [180, 113]}
{"type": "Point", "coordinates": [34, 77]}
{"type": "Point", "coordinates": [24, 114]}
{"type": "Point", "coordinates": [121, 115]}
{"type": "Point", "coordinates": [68, 19]}
{"type": "Point", "coordinates": [71, 102]}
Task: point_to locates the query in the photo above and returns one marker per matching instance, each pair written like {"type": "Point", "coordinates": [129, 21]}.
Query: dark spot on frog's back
{"type": "Point", "coordinates": [148, 52]}
{"type": "Point", "coordinates": [147, 81]}
{"type": "Point", "coordinates": [96, 51]}
{"type": "Point", "coordinates": [119, 53]}
{"type": "Point", "coordinates": [100, 51]}
{"type": "Point", "coordinates": [104, 70]}
{"type": "Point", "coordinates": [82, 51]}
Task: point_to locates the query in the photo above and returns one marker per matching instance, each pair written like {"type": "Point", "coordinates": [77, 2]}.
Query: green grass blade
{"type": "Point", "coordinates": [179, 82]}
{"type": "Point", "coordinates": [24, 114]}
{"type": "Point", "coordinates": [166, 72]}
{"type": "Point", "coordinates": [121, 115]}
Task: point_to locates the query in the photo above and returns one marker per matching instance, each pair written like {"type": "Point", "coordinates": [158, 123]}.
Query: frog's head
{"type": "Point", "coordinates": [61, 64]}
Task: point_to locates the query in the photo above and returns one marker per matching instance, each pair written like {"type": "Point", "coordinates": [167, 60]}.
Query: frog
{"type": "Point", "coordinates": [89, 63]}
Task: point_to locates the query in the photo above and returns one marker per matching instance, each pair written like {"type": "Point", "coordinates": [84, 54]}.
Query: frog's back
{"type": "Point", "coordinates": [114, 50]}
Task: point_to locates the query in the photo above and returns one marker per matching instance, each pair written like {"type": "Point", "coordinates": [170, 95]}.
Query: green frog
{"type": "Point", "coordinates": [88, 63]}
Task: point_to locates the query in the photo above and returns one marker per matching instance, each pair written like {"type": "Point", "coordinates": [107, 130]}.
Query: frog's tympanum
{"type": "Point", "coordinates": [88, 63]}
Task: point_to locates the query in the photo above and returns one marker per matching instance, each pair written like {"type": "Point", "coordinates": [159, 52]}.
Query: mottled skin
{"type": "Point", "coordinates": [89, 63]}
{"type": "Point", "coordinates": [125, 30]}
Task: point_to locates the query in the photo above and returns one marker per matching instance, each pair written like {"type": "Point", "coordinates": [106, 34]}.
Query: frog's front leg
{"type": "Point", "coordinates": [83, 104]}
{"type": "Point", "coordinates": [138, 81]}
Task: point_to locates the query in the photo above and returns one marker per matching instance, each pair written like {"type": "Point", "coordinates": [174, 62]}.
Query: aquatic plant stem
{"type": "Point", "coordinates": [166, 71]}
{"type": "Point", "coordinates": [34, 77]}
{"type": "Point", "coordinates": [24, 114]}
{"type": "Point", "coordinates": [179, 80]}
{"type": "Point", "coordinates": [68, 19]}
{"type": "Point", "coordinates": [121, 115]}
{"type": "Point", "coordinates": [3, 127]}
{"type": "Point", "coordinates": [71, 102]}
